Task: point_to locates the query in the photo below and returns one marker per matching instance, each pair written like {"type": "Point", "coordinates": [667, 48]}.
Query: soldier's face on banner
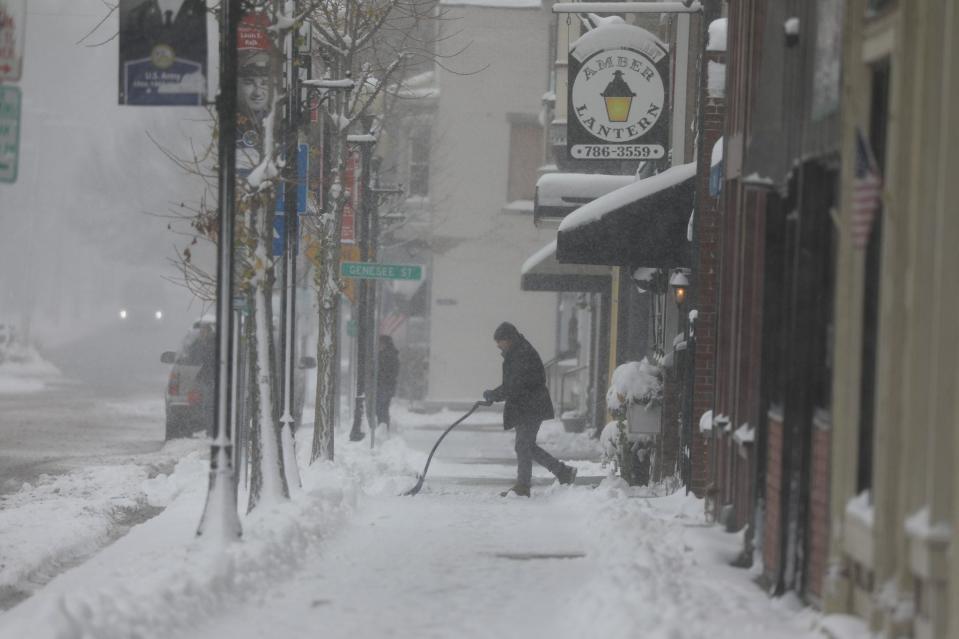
{"type": "Point", "coordinates": [254, 93]}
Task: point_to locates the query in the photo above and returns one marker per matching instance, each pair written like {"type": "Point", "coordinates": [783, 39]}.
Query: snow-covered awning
{"type": "Point", "coordinates": [541, 272]}
{"type": "Point", "coordinates": [642, 224]}
{"type": "Point", "coordinates": [559, 194]}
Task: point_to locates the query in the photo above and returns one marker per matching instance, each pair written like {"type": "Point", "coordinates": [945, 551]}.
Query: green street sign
{"type": "Point", "coordinates": [374, 271]}
{"type": "Point", "coordinates": [9, 133]}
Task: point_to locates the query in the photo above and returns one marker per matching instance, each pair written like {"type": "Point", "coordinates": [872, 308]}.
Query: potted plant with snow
{"type": "Point", "coordinates": [635, 399]}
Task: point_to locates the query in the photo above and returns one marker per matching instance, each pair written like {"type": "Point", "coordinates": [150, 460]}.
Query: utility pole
{"type": "Point", "coordinates": [220, 519]}
{"type": "Point", "coordinates": [291, 210]}
{"type": "Point", "coordinates": [364, 321]}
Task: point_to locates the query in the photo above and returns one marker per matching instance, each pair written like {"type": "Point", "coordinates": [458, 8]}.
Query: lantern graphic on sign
{"type": "Point", "coordinates": [618, 97]}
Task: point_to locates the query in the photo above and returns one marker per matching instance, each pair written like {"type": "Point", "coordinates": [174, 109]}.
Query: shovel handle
{"type": "Point", "coordinates": [445, 433]}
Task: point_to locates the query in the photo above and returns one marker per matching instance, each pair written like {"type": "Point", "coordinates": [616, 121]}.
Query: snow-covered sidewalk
{"type": "Point", "coordinates": [348, 557]}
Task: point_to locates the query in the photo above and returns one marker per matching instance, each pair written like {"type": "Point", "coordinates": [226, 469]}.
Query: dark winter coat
{"type": "Point", "coordinates": [388, 371]}
{"type": "Point", "coordinates": [524, 386]}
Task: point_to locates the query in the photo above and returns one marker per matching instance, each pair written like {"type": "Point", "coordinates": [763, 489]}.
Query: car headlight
{"type": "Point", "coordinates": [158, 315]}
{"type": "Point", "coordinates": [123, 313]}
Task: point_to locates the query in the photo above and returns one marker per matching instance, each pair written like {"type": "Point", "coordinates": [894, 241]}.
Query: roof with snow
{"type": "Point", "coordinates": [559, 194]}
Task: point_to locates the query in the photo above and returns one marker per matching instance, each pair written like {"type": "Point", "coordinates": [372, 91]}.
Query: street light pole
{"type": "Point", "coordinates": [220, 519]}
{"type": "Point", "coordinates": [288, 292]}
{"type": "Point", "coordinates": [363, 329]}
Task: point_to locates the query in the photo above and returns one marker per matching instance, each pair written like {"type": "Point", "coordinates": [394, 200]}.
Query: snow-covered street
{"type": "Point", "coordinates": [348, 557]}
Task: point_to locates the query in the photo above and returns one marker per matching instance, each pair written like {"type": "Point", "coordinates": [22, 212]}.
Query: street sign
{"type": "Point", "coordinates": [374, 271]}
{"type": "Point", "coordinates": [13, 15]}
{"type": "Point", "coordinates": [9, 133]}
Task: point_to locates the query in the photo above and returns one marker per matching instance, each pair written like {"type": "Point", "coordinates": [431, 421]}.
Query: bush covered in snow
{"type": "Point", "coordinates": [638, 383]}
{"type": "Point", "coordinates": [635, 382]}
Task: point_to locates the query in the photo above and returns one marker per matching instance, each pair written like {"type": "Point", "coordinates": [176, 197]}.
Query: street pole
{"type": "Point", "coordinates": [374, 238]}
{"type": "Point", "coordinates": [220, 519]}
{"type": "Point", "coordinates": [363, 302]}
{"type": "Point", "coordinates": [288, 292]}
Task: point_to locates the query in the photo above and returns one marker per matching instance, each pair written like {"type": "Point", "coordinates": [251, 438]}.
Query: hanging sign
{"type": "Point", "coordinates": [618, 95]}
{"type": "Point", "coordinates": [163, 52]}
{"type": "Point", "coordinates": [13, 15]}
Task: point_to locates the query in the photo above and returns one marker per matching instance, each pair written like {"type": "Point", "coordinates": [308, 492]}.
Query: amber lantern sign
{"type": "Point", "coordinates": [618, 95]}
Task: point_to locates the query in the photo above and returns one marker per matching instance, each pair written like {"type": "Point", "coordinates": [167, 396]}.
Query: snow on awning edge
{"type": "Point", "coordinates": [598, 208]}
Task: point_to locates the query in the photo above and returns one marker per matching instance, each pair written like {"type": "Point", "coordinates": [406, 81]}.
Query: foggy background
{"type": "Point", "coordinates": [82, 231]}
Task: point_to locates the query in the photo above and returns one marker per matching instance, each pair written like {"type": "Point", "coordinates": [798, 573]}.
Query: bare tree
{"type": "Point", "coordinates": [377, 44]}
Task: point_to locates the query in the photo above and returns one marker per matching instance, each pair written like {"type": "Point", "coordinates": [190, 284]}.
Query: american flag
{"type": "Point", "coordinates": [393, 316]}
{"type": "Point", "coordinates": [867, 192]}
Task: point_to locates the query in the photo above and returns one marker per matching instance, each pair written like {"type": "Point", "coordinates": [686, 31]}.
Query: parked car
{"type": "Point", "coordinates": [190, 388]}
{"type": "Point", "coordinates": [189, 395]}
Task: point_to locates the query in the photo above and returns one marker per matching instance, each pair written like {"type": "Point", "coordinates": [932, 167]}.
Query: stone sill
{"type": "Point", "coordinates": [928, 558]}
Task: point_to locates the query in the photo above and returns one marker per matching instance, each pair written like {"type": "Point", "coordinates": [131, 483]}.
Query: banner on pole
{"type": "Point", "coordinates": [13, 17]}
{"type": "Point", "coordinates": [163, 56]}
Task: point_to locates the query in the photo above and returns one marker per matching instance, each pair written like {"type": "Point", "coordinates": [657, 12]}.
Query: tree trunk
{"type": "Point", "coordinates": [268, 479]}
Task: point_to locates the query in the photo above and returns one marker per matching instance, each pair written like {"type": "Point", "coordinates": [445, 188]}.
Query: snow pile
{"type": "Point", "coordinates": [160, 579]}
{"type": "Point", "coordinates": [62, 520]}
{"type": "Point", "coordinates": [664, 573]}
{"type": "Point", "coordinates": [554, 438]}
{"type": "Point", "coordinates": [22, 370]}
{"type": "Point", "coordinates": [640, 382]}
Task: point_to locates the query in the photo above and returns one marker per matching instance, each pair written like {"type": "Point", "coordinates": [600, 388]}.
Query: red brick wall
{"type": "Point", "coordinates": [706, 271]}
{"type": "Point", "coordinates": [772, 522]}
{"type": "Point", "coordinates": [818, 512]}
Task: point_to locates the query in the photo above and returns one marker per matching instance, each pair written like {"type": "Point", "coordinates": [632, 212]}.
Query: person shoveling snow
{"type": "Point", "coordinates": [528, 404]}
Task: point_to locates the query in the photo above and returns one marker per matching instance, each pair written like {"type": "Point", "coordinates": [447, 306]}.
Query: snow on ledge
{"type": "Point", "coordinates": [860, 508]}
{"type": "Point", "coordinates": [717, 35]}
{"type": "Point", "coordinates": [706, 422]}
{"type": "Point", "coordinates": [919, 527]}
{"type": "Point", "coordinates": [626, 195]}
{"type": "Point", "coordinates": [745, 434]}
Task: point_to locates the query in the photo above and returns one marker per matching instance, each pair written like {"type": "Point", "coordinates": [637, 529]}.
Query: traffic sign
{"type": "Point", "coordinates": [374, 271]}
{"type": "Point", "coordinates": [9, 132]}
{"type": "Point", "coordinates": [13, 16]}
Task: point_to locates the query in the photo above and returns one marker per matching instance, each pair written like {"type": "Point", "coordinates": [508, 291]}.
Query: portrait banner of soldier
{"type": "Point", "coordinates": [163, 52]}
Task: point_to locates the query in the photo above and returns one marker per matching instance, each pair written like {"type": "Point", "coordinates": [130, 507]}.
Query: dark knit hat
{"type": "Point", "coordinates": [505, 331]}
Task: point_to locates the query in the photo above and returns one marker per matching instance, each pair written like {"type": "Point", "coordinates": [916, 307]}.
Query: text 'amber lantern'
{"type": "Point", "coordinates": [618, 97]}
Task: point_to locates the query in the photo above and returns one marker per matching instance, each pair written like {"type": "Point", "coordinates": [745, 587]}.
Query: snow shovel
{"type": "Point", "coordinates": [419, 481]}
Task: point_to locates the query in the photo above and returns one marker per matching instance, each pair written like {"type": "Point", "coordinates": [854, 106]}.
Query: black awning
{"type": "Point", "coordinates": [642, 224]}
{"type": "Point", "coordinates": [542, 272]}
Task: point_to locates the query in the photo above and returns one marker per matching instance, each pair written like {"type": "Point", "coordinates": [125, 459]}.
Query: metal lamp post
{"type": "Point", "coordinates": [364, 307]}
{"type": "Point", "coordinates": [220, 519]}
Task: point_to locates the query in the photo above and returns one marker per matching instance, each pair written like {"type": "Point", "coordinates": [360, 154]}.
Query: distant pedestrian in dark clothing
{"type": "Point", "coordinates": [527, 405]}
{"type": "Point", "coordinates": [386, 374]}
